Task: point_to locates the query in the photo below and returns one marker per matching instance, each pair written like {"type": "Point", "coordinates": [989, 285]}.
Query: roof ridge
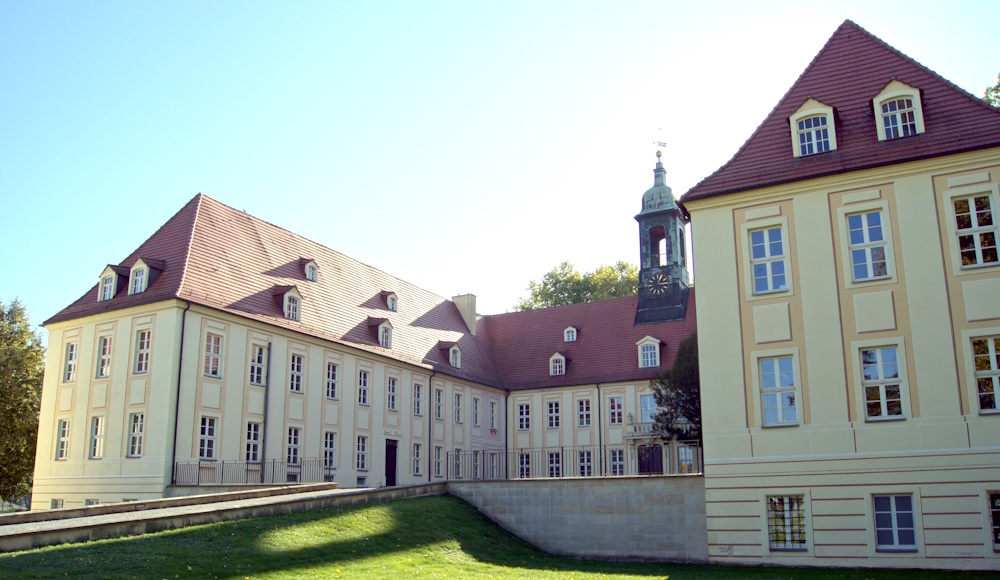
{"type": "Point", "coordinates": [575, 304]}
{"type": "Point", "coordinates": [190, 241]}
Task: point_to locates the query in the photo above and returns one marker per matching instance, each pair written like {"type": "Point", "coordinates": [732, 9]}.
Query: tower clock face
{"type": "Point", "coordinates": [657, 284]}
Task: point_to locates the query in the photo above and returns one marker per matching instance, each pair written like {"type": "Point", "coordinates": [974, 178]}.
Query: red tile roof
{"type": "Point", "coordinates": [225, 259]}
{"type": "Point", "coordinates": [850, 70]}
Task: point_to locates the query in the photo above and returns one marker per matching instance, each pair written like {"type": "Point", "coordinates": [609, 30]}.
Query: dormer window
{"type": "Point", "coordinates": [290, 300]}
{"type": "Point", "coordinates": [309, 268]}
{"type": "Point", "coordinates": [391, 300]}
{"type": "Point", "coordinates": [292, 308]}
{"type": "Point", "coordinates": [649, 352]}
{"type": "Point", "coordinates": [455, 356]}
{"type": "Point", "coordinates": [569, 335]}
{"type": "Point", "coordinates": [898, 112]}
{"type": "Point", "coordinates": [385, 335]}
{"type": "Point", "coordinates": [138, 283]}
{"type": "Point", "coordinates": [107, 291]}
{"type": "Point", "coordinates": [557, 365]}
{"type": "Point", "coordinates": [812, 129]}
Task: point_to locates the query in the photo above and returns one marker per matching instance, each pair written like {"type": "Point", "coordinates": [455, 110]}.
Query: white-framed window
{"type": "Point", "coordinates": [206, 438]}
{"type": "Point", "coordinates": [617, 462]}
{"type": "Point", "coordinates": [108, 287]}
{"type": "Point", "coordinates": [291, 307]}
{"type": "Point", "coordinates": [569, 335]}
{"type": "Point", "coordinates": [583, 413]}
{"type": "Point", "coordinates": [292, 455]}
{"type": "Point", "coordinates": [867, 245]}
{"type": "Point", "coordinates": [418, 399]}
{"type": "Point", "coordinates": [96, 437]}
{"type": "Point", "coordinates": [138, 283]}
{"type": "Point", "coordinates": [258, 358]}
{"type": "Point", "coordinates": [363, 388]}
{"type": "Point", "coordinates": [492, 465]}
{"type": "Point", "coordinates": [898, 119]}
{"type": "Point", "coordinates": [295, 373]}
{"type": "Point", "coordinates": [493, 415]}
{"type": "Point", "coordinates": [882, 386]}
{"type": "Point", "coordinates": [136, 434]}
{"type": "Point", "coordinates": [524, 465]}
{"type": "Point", "coordinates": [475, 465]}
{"type": "Point", "coordinates": [616, 410]}
{"type": "Point", "coordinates": [650, 355]}
{"type": "Point", "coordinates": [385, 336]}
{"type": "Point", "coordinates": [778, 391]}
{"type": "Point", "coordinates": [475, 411]}
{"type": "Point", "coordinates": [986, 362]}
{"type": "Point", "coordinates": [437, 461]}
{"type": "Point", "coordinates": [647, 408]}
{"type": "Point", "coordinates": [458, 463]}
{"type": "Point", "coordinates": [895, 529]}
{"type": "Point", "coordinates": [390, 394]}
{"type": "Point", "coordinates": [455, 356]}
{"type": "Point", "coordinates": [553, 414]}
{"type": "Point", "coordinates": [104, 357]}
{"type": "Point", "coordinates": [213, 355]}
{"type": "Point", "coordinates": [311, 272]}
{"type": "Point", "coordinates": [993, 505]}
{"type": "Point", "coordinates": [253, 442]}
{"type": "Point", "coordinates": [390, 302]}
{"type": "Point", "coordinates": [767, 260]}
{"type": "Point", "coordinates": [458, 408]}
{"type": "Point", "coordinates": [362, 458]}
{"type": "Point", "coordinates": [416, 459]}
{"type": "Point", "coordinates": [555, 464]}
{"type": "Point", "coordinates": [332, 371]}
{"type": "Point", "coordinates": [586, 463]}
{"type": "Point", "coordinates": [69, 368]}
{"type": "Point", "coordinates": [438, 404]}
{"type": "Point", "coordinates": [786, 523]}
{"type": "Point", "coordinates": [814, 135]}
{"type": "Point", "coordinates": [557, 365]}
{"type": "Point", "coordinates": [976, 228]}
{"type": "Point", "coordinates": [523, 417]}
{"type": "Point", "coordinates": [330, 449]}
{"type": "Point", "coordinates": [685, 459]}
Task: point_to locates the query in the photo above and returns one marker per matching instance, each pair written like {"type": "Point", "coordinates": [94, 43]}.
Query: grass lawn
{"type": "Point", "coordinates": [434, 537]}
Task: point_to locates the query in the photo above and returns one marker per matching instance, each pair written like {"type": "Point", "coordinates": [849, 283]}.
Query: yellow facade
{"type": "Point", "coordinates": [936, 444]}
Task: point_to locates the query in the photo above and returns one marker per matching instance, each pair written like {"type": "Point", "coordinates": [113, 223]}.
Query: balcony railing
{"type": "Point", "coordinates": [272, 471]}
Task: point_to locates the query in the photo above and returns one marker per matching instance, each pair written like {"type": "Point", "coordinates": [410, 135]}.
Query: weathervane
{"type": "Point", "coordinates": [659, 144]}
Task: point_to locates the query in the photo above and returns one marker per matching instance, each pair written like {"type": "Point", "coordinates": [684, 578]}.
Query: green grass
{"type": "Point", "coordinates": [434, 537]}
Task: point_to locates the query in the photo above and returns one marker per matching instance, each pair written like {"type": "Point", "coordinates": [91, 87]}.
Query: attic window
{"type": "Point", "coordinates": [812, 127]}
{"type": "Point", "coordinates": [385, 335]}
{"type": "Point", "coordinates": [311, 273]}
{"type": "Point", "coordinates": [291, 307]}
{"type": "Point", "coordinates": [107, 288]}
{"type": "Point", "coordinates": [390, 301]}
{"type": "Point", "coordinates": [649, 352]}
{"type": "Point", "coordinates": [455, 357]}
{"type": "Point", "coordinates": [137, 279]}
{"type": "Point", "coordinates": [569, 335]}
{"type": "Point", "coordinates": [309, 268]}
{"type": "Point", "coordinates": [557, 365]}
{"type": "Point", "coordinates": [898, 112]}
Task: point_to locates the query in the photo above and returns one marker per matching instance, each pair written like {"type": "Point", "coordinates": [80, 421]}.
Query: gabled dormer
{"type": "Point", "coordinates": [452, 352]}
{"type": "Point", "coordinates": [569, 334]}
{"type": "Point", "coordinates": [557, 364]}
{"type": "Point", "coordinates": [649, 352]}
{"type": "Point", "coordinates": [309, 269]}
{"type": "Point", "coordinates": [391, 300]}
{"type": "Point", "coordinates": [143, 273]}
{"type": "Point", "coordinates": [382, 329]}
{"type": "Point", "coordinates": [290, 301]}
{"type": "Point", "coordinates": [112, 280]}
{"type": "Point", "coordinates": [813, 129]}
{"type": "Point", "coordinates": [898, 111]}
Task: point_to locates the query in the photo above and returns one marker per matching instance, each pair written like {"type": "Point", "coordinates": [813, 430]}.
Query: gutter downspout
{"type": "Point", "coordinates": [177, 399]}
{"type": "Point", "coordinates": [430, 429]}
{"type": "Point", "coordinates": [263, 428]}
{"type": "Point", "coordinates": [600, 428]}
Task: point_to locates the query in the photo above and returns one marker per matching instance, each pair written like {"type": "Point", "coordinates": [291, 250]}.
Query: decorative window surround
{"type": "Point", "coordinates": [895, 519]}
{"type": "Point", "coordinates": [569, 335]}
{"type": "Point", "coordinates": [437, 461]}
{"type": "Point", "coordinates": [330, 449]}
{"type": "Point", "coordinates": [455, 357]}
{"type": "Point", "coordinates": [458, 408]}
{"type": "Point", "coordinates": [362, 456]}
{"type": "Point", "coordinates": [207, 438]}
{"type": "Point", "coordinates": [253, 442]}
{"type": "Point", "coordinates": [96, 437]}
{"type": "Point", "coordinates": [309, 269]}
{"type": "Point", "coordinates": [294, 437]}
{"type": "Point", "coordinates": [438, 404]}
{"type": "Point", "coordinates": [813, 129]}
{"type": "Point", "coordinates": [583, 413]}
{"type": "Point", "coordinates": [475, 411]}
{"type": "Point", "coordinates": [103, 357]}
{"type": "Point", "coordinates": [777, 385]}
{"type": "Point", "coordinates": [62, 440]}
{"type": "Point", "coordinates": [523, 417]}
{"type": "Point", "coordinates": [290, 300]}
{"type": "Point", "coordinates": [986, 362]}
{"type": "Point", "coordinates": [416, 459]}
{"type": "Point", "coordinates": [586, 464]}
{"type": "Point", "coordinates": [69, 368]}
{"type": "Point", "coordinates": [390, 393]}
{"type": "Point", "coordinates": [391, 300]}
{"type": "Point", "coordinates": [898, 111]}
{"type": "Point", "coordinates": [295, 366]}
{"type": "Point", "coordinates": [136, 434]}
{"type": "Point", "coordinates": [418, 399]}
{"type": "Point", "coordinates": [213, 355]}
{"type": "Point", "coordinates": [108, 286]}
{"type": "Point", "coordinates": [557, 365]}
{"type": "Point", "coordinates": [143, 343]}
{"type": "Point", "coordinates": [786, 523]}
{"type": "Point", "coordinates": [616, 411]}
{"type": "Point", "coordinates": [649, 352]}
{"type": "Point", "coordinates": [880, 374]}
{"type": "Point", "coordinates": [493, 414]}
{"type": "Point", "coordinates": [258, 358]}
{"type": "Point", "coordinates": [553, 414]}
{"type": "Point", "coordinates": [363, 388]}
{"type": "Point", "coordinates": [862, 252]}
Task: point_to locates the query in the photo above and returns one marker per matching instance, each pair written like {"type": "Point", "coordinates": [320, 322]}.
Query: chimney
{"type": "Point", "coordinates": [466, 304]}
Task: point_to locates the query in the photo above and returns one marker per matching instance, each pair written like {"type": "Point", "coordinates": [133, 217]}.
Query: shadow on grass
{"type": "Point", "coordinates": [421, 536]}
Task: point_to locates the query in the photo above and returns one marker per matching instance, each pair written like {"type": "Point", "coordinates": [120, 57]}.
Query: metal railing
{"type": "Point", "coordinates": [271, 471]}
{"type": "Point", "coordinates": [675, 457]}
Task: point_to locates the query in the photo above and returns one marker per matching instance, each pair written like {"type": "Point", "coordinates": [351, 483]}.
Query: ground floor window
{"type": "Point", "coordinates": [617, 462]}
{"type": "Point", "coordinates": [894, 528]}
{"type": "Point", "coordinates": [555, 464]}
{"type": "Point", "coordinates": [586, 464]}
{"type": "Point", "coordinates": [995, 518]}
{"type": "Point", "coordinates": [786, 522]}
{"type": "Point", "coordinates": [524, 465]}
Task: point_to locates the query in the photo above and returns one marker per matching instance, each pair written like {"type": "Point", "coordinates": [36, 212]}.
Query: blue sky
{"type": "Point", "coordinates": [462, 146]}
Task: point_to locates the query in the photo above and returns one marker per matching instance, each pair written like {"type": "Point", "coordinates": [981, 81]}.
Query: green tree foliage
{"type": "Point", "coordinates": [21, 371]}
{"type": "Point", "coordinates": [992, 94]}
{"type": "Point", "coordinates": [678, 394]}
{"type": "Point", "coordinates": [565, 285]}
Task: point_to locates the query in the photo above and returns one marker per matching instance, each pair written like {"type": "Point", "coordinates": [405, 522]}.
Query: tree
{"type": "Point", "coordinates": [678, 394]}
{"type": "Point", "coordinates": [992, 94]}
{"type": "Point", "coordinates": [565, 285]}
{"type": "Point", "coordinates": [21, 372]}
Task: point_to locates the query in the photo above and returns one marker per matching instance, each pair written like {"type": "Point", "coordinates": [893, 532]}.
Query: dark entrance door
{"type": "Point", "coordinates": [650, 460]}
{"type": "Point", "coordinates": [390, 461]}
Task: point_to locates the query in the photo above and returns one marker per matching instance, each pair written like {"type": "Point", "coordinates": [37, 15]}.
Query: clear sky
{"type": "Point", "coordinates": [466, 147]}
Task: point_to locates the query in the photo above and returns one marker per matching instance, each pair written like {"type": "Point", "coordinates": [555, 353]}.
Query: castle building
{"type": "Point", "coordinates": [849, 322]}
{"type": "Point", "coordinates": [226, 351]}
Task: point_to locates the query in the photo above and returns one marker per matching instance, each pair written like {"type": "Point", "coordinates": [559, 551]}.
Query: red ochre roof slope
{"type": "Point", "coordinates": [851, 69]}
{"type": "Point", "coordinates": [223, 258]}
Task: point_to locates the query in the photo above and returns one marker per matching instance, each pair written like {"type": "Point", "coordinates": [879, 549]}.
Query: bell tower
{"type": "Point", "coordinates": [663, 273]}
